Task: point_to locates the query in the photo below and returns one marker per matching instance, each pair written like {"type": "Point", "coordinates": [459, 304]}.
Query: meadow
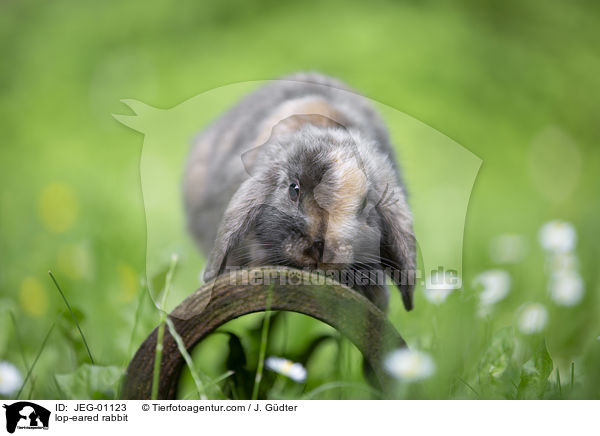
{"type": "Point", "coordinates": [514, 85]}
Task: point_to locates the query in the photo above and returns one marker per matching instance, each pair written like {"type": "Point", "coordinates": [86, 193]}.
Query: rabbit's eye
{"type": "Point", "coordinates": [294, 191]}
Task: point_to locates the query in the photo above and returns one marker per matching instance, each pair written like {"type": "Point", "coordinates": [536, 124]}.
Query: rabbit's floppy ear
{"type": "Point", "coordinates": [398, 246]}
{"type": "Point", "coordinates": [239, 218]}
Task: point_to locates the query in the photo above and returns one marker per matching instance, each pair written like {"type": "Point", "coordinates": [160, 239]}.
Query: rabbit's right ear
{"type": "Point", "coordinates": [239, 218]}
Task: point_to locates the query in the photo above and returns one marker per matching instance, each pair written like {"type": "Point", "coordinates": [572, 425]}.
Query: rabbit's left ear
{"type": "Point", "coordinates": [238, 220]}
{"type": "Point", "coordinates": [398, 245]}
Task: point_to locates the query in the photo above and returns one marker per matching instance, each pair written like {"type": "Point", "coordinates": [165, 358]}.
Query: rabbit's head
{"type": "Point", "coordinates": [321, 198]}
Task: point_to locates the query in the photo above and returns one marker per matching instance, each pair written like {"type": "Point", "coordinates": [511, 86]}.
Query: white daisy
{"type": "Point", "coordinates": [409, 365]}
{"type": "Point", "coordinates": [558, 237]}
{"type": "Point", "coordinates": [563, 262]}
{"type": "Point", "coordinates": [508, 248]}
{"type": "Point", "coordinates": [533, 318]}
{"type": "Point", "coordinates": [10, 379]}
{"type": "Point", "coordinates": [566, 288]}
{"type": "Point", "coordinates": [286, 367]}
{"type": "Point", "coordinates": [440, 284]}
{"type": "Point", "coordinates": [495, 284]}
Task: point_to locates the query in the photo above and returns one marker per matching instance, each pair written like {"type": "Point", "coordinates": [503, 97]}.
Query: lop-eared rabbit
{"type": "Point", "coordinates": [302, 173]}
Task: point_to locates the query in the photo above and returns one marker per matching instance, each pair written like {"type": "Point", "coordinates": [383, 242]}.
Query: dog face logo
{"type": "Point", "coordinates": [26, 415]}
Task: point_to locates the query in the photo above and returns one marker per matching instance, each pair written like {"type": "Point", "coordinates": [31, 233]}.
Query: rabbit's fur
{"type": "Point", "coordinates": [301, 173]}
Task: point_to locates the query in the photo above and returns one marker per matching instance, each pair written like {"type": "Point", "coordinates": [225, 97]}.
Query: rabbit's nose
{"type": "Point", "coordinates": [316, 250]}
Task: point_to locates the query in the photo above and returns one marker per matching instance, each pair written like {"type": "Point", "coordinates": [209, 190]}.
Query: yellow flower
{"type": "Point", "coordinates": [33, 297]}
{"type": "Point", "coordinates": [58, 207]}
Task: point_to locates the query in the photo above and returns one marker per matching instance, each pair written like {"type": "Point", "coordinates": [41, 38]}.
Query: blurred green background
{"type": "Point", "coordinates": [516, 83]}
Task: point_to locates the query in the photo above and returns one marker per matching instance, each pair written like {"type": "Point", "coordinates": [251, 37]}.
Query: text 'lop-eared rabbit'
{"type": "Point", "coordinates": [301, 173]}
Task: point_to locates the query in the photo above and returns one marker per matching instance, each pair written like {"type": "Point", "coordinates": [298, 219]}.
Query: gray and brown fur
{"type": "Point", "coordinates": [311, 130]}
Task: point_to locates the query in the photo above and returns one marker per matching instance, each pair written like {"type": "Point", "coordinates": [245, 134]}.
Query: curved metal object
{"type": "Point", "coordinates": [242, 292]}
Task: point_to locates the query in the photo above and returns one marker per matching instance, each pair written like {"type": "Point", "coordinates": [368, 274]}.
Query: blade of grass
{"type": "Point", "coordinates": [72, 316]}
{"type": "Point", "coordinates": [58, 388]}
{"type": "Point", "coordinates": [188, 359]}
{"type": "Point", "coordinates": [19, 340]}
{"type": "Point", "coordinates": [263, 347]}
{"type": "Point", "coordinates": [572, 375]}
{"type": "Point", "coordinates": [157, 358]}
{"type": "Point", "coordinates": [340, 358]}
{"type": "Point", "coordinates": [39, 353]}
{"type": "Point", "coordinates": [29, 396]}
{"type": "Point", "coordinates": [214, 382]}
{"type": "Point", "coordinates": [558, 381]}
{"type": "Point", "coordinates": [469, 386]}
{"type": "Point", "coordinates": [161, 328]}
{"type": "Point", "coordinates": [340, 385]}
{"type": "Point", "coordinates": [222, 377]}
{"type": "Point", "coordinates": [136, 319]}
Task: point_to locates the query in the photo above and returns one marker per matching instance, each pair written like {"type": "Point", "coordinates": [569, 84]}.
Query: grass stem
{"type": "Point", "coordinates": [188, 359]}
{"type": "Point", "coordinates": [161, 328]}
{"type": "Point", "coordinates": [572, 375]}
{"type": "Point", "coordinates": [72, 316]}
{"type": "Point", "coordinates": [19, 340]}
{"type": "Point", "coordinates": [30, 370]}
{"type": "Point", "coordinates": [263, 348]}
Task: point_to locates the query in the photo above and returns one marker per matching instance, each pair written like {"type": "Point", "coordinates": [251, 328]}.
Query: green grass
{"type": "Point", "coordinates": [499, 78]}
{"type": "Point", "coordinates": [161, 328]}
